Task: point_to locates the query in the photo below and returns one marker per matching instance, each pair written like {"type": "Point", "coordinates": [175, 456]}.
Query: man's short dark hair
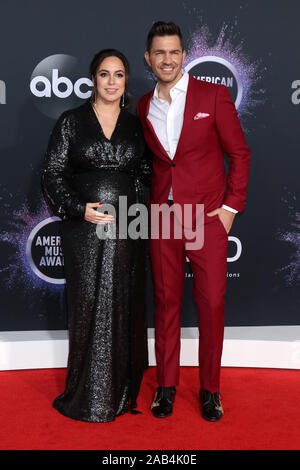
{"type": "Point", "coordinates": [160, 28]}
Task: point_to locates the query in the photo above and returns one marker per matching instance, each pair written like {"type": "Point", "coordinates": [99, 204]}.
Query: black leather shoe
{"type": "Point", "coordinates": [162, 405]}
{"type": "Point", "coordinates": [211, 405]}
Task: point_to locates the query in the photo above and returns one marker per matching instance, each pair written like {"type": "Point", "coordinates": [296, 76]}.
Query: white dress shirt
{"type": "Point", "coordinates": [167, 118]}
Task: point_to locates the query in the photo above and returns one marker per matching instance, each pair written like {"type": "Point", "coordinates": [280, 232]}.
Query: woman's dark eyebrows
{"type": "Point", "coordinates": [104, 70]}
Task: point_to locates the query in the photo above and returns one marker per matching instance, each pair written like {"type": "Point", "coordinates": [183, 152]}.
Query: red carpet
{"type": "Point", "coordinates": [261, 412]}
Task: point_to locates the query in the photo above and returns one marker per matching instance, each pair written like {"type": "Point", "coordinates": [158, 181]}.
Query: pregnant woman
{"type": "Point", "coordinates": [96, 153]}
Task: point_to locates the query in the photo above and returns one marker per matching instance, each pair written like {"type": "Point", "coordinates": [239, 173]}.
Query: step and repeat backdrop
{"type": "Point", "coordinates": [251, 47]}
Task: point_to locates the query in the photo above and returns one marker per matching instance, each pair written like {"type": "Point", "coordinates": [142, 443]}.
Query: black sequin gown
{"type": "Point", "coordinates": [105, 278]}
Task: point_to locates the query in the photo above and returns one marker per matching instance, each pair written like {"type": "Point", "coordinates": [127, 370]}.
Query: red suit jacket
{"type": "Point", "coordinates": [197, 172]}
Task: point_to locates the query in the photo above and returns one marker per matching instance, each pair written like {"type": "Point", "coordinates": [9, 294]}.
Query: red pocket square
{"type": "Point", "coordinates": [200, 116]}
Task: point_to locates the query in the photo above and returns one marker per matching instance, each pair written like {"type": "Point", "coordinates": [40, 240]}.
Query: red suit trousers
{"type": "Point", "coordinates": [209, 266]}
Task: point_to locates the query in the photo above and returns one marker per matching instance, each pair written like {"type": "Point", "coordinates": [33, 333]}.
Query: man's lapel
{"type": "Point", "coordinates": [190, 105]}
{"type": "Point", "coordinates": [151, 129]}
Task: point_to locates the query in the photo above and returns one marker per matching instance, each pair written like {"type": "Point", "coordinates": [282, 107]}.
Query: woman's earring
{"type": "Point", "coordinates": [123, 100]}
{"type": "Point", "coordinates": [95, 96]}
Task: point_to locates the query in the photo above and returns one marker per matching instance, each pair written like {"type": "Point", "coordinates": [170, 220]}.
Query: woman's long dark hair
{"type": "Point", "coordinates": [96, 62]}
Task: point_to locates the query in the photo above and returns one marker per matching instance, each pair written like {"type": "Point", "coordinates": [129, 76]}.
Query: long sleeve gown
{"type": "Point", "coordinates": [105, 277]}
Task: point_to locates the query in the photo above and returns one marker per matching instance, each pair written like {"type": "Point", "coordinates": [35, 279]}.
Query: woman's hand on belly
{"type": "Point", "coordinates": [96, 217]}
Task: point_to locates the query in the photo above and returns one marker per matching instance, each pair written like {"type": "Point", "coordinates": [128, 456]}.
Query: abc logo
{"type": "Point", "coordinates": [2, 92]}
{"type": "Point", "coordinates": [296, 94]}
{"type": "Point", "coordinates": [56, 85]}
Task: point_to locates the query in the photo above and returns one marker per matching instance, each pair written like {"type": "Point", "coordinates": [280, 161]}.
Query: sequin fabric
{"type": "Point", "coordinates": [105, 278]}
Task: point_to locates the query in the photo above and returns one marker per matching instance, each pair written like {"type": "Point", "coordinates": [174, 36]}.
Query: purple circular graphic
{"type": "Point", "coordinates": [43, 251]}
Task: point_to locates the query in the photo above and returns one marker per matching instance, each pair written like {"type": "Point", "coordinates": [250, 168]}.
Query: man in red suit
{"type": "Point", "coordinates": [187, 125]}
